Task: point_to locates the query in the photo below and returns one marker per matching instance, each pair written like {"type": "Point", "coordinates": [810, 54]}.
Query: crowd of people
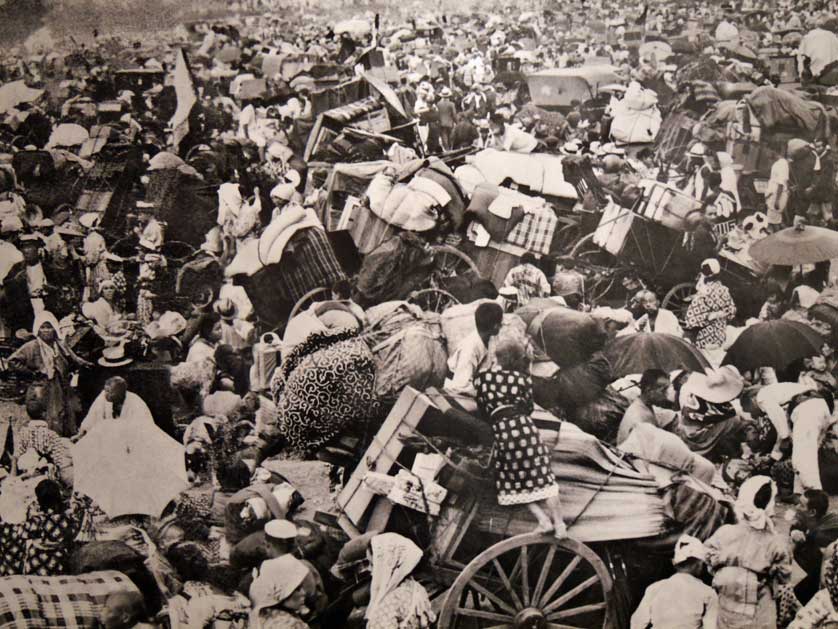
{"type": "Point", "coordinates": [164, 219]}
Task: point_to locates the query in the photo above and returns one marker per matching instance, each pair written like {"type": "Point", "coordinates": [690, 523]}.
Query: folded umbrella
{"type": "Point", "coordinates": [802, 244]}
{"type": "Point", "coordinates": [774, 344]}
{"type": "Point", "coordinates": [635, 353]}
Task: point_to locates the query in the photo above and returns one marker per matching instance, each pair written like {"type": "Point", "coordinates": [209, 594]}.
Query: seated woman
{"type": "Point", "coordinates": [49, 532]}
{"type": "Point", "coordinates": [105, 309]}
{"type": "Point", "coordinates": [396, 600]}
{"type": "Point", "coordinates": [522, 463]}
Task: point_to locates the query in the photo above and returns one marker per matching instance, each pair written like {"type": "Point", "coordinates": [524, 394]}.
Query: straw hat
{"type": "Point", "coordinates": [281, 529]}
{"type": "Point", "coordinates": [90, 220]}
{"type": "Point", "coordinates": [114, 357]}
{"type": "Point", "coordinates": [718, 386]}
{"type": "Point", "coordinates": [226, 309]}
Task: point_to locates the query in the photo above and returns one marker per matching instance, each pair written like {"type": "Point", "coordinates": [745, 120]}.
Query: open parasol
{"type": "Point", "coordinates": [128, 467]}
{"type": "Point", "coordinates": [773, 344]}
{"type": "Point", "coordinates": [635, 353]}
{"type": "Point", "coordinates": [802, 244]}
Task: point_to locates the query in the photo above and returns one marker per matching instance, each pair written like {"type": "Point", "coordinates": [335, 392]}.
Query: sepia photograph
{"type": "Point", "coordinates": [418, 314]}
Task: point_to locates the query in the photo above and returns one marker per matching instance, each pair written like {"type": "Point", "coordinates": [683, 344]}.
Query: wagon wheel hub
{"type": "Point", "coordinates": [530, 618]}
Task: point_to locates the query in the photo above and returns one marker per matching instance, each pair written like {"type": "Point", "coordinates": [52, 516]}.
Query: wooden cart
{"type": "Point", "coordinates": [494, 571]}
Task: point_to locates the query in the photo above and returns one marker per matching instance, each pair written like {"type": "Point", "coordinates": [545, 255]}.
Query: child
{"type": "Point", "coordinates": [475, 352]}
{"type": "Point", "coordinates": [522, 463]}
{"type": "Point", "coordinates": [682, 600]}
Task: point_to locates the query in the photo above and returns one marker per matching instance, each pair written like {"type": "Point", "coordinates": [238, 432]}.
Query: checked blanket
{"type": "Point", "coordinates": [71, 602]}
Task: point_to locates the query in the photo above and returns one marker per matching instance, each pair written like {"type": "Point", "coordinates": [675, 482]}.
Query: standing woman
{"type": "Point", "coordinates": [47, 356]}
{"type": "Point", "coordinates": [750, 561]}
{"type": "Point", "coordinates": [711, 309]}
{"type": "Point", "coordinates": [522, 463]}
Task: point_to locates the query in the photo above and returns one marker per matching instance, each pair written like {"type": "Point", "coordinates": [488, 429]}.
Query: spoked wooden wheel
{"type": "Point", "coordinates": [530, 582]}
{"type": "Point", "coordinates": [677, 300]}
{"type": "Point", "coordinates": [566, 238]}
{"type": "Point", "coordinates": [449, 262]}
{"type": "Point", "coordinates": [433, 299]}
{"type": "Point", "coordinates": [315, 294]}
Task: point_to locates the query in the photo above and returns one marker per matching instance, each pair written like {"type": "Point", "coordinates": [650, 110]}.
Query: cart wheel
{"type": "Point", "coordinates": [433, 299]}
{"type": "Point", "coordinates": [678, 299]}
{"type": "Point", "coordinates": [566, 238]}
{"type": "Point", "coordinates": [530, 581]}
{"type": "Point", "coordinates": [177, 250]}
{"type": "Point", "coordinates": [309, 298]}
{"type": "Point", "coordinates": [583, 246]}
{"type": "Point", "coordinates": [449, 262]}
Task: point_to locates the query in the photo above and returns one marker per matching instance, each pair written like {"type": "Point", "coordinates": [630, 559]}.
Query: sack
{"type": "Point", "coordinates": [568, 337]}
{"type": "Point", "coordinates": [415, 356]}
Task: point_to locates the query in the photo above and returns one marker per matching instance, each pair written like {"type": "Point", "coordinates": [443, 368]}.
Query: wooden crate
{"type": "Point", "coordinates": [368, 231]}
{"type": "Point", "coordinates": [361, 509]}
{"type": "Point", "coordinates": [495, 260]}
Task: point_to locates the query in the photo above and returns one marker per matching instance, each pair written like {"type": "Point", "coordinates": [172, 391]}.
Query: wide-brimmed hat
{"type": "Point", "coordinates": [445, 93]}
{"type": "Point", "coordinates": [90, 220]}
{"type": "Point", "coordinates": [114, 357]}
{"type": "Point", "coordinates": [718, 386]}
{"type": "Point", "coordinates": [226, 308]}
{"type": "Point", "coordinates": [571, 148]}
{"type": "Point", "coordinates": [281, 529]}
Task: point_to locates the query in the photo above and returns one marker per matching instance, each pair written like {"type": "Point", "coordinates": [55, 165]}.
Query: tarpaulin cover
{"type": "Point", "coordinates": [582, 464]}
{"type": "Point", "coordinates": [774, 107]}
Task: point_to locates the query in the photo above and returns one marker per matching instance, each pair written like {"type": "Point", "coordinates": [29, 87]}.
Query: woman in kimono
{"type": "Point", "coordinates": [50, 359]}
{"type": "Point", "coordinates": [751, 563]}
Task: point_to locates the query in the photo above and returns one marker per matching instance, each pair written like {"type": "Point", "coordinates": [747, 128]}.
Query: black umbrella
{"type": "Point", "coordinates": [773, 344]}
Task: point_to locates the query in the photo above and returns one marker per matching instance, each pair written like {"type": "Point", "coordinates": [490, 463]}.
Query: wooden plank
{"type": "Point", "coordinates": [382, 453]}
{"type": "Point", "coordinates": [380, 514]}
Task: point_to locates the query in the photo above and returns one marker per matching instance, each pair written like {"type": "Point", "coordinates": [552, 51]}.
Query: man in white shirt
{"type": "Point", "coordinates": [656, 319]}
{"type": "Point", "coordinates": [475, 353]}
{"type": "Point", "coordinates": [115, 402]}
{"type": "Point", "coordinates": [511, 138]}
{"type": "Point", "coordinates": [809, 419]}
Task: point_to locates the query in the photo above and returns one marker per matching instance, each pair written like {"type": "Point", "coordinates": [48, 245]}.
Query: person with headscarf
{"type": "Point", "coordinates": [711, 308]}
{"type": "Point", "coordinates": [822, 609]}
{"type": "Point", "coordinates": [397, 601]}
{"type": "Point", "coordinates": [523, 469]}
{"type": "Point", "coordinates": [698, 604]}
{"type": "Point", "coordinates": [49, 358]}
{"type": "Point", "coordinates": [104, 310]}
{"type": "Point", "coordinates": [749, 560]}
{"type": "Point", "coordinates": [277, 595]}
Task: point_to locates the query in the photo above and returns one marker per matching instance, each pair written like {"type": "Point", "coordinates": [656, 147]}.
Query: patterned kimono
{"type": "Point", "coordinates": [713, 296]}
{"type": "Point", "coordinates": [522, 463]}
{"type": "Point", "coordinates": [49, 540]}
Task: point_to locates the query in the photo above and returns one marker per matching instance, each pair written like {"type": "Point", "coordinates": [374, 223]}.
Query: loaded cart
{"type": "Point", "coordinates": [427, 475]}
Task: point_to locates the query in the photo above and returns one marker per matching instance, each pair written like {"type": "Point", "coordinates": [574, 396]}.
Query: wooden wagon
{"type": "Point", "coordinates": [488, 565]}
{"type": "Point", "coordinates": [648, 240]}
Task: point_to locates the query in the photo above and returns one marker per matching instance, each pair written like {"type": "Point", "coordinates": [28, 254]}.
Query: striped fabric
{"type": "Point", "coordinates": [312, 265]}
{"type": "Point", "coordinates": [581, 464]}
{"type": "Point", "coordinates": [73, 602]}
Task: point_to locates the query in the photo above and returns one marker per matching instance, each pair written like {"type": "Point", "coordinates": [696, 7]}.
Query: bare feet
{"type": "Point", "coordinates": [560, 531]}
{"type": "Point", "coordinates": [543, 528]}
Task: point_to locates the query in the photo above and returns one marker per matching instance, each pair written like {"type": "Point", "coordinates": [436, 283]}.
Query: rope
{"type": "Point", "coordinates": [597, 492]}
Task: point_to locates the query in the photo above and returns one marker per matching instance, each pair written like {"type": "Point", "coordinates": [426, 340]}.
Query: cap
{"type": "Point", "coordinates": [281, 529]}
